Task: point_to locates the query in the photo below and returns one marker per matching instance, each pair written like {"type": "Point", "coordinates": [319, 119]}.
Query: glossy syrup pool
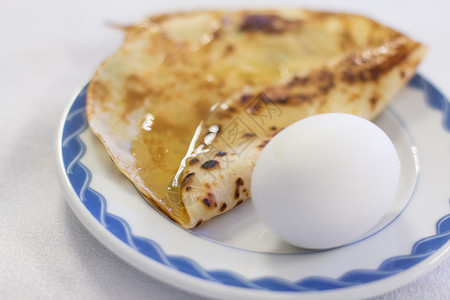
{"type": "Point", "coordinates": [243, 230]}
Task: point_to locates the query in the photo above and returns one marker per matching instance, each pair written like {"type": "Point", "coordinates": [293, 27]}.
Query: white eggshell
{"type": "Point", "coordinates": [326, 180]}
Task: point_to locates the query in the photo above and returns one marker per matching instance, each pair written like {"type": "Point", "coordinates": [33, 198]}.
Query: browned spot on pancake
{"type": "Point", "coordinates": [221, 153]}
{"type": "Point", "coordinates": [199, 223]}
{"type": "Point", "coordinates": [248, 134]}
{"type": "Point", "coordinates": [261, 101]}
{"type": "Point", "coordinates": [160, 18]}
{"type": "Point", "coordinates": [239, 182]}
{"type": "Point", "coordinates": [348, 76]}
{"type": "Point", "coordinates": [188, 188]}
{"type": "Point", "coordinates": [273, 128]}
{"type": "Point", "coordinates": [239, 202]}
{"type": "Point", "coordinates": [274, 96]}
{"type": "Point", "coordinates": [136, 90]}
{"type": "Point", "coordinates": [229, 49]}
{"type": "Point", "coordinates": [305, 97]}
{"type": "Point", "coordinates": [210, 200]}
{"type": "Point", "coordinates": [206, 201]}
{"type": "Point", "coordinates": [206, 185]}
{"type": "Point", "coordinates": [188, 179]}
{"type": "Point", "coordinates": [223, 207]}
{"type": "Point", "coordinates": [298, 81]}
{"type": "Point", "coordinates": [210, 164]}
{"type": "Point", "coordinates": [193, 161]}
{"type": "Point", "coordinates": [99, 90]}
{"type": "Point", "coordinates": [253, 109]}
{"type": "Point", "coordinates": [264, 98]}
{"type": "Point", "coordinates": [370, 64]}
{"type": "Point", "coordinates": [271, 24]}
{"type": "Point", "coordinates": [326, 81]}
{"type": "Point", "coordinates": [263, 144]}
{"type": "Point", "coordinates": [284, 99]}
{"type": "Point", "coordinates": [402, 74]}
{"type": "Point", "coordinates": [245, 98]}
{"type": "Point", "coordinates": [353, 97]}
{"type": "Point", "coordinates": [224, 114]}
{"type": "Point", "coordinates": [373, 101]}
{"type": "Point", "coordinates": [346, 40]}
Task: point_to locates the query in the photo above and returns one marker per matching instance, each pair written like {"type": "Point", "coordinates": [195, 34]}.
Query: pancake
{"type": "Point", "coordinates": [187, 103]}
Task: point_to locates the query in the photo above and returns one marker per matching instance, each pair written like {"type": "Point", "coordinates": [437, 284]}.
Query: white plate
{"type": "Point", "coordinates": [234, 255]}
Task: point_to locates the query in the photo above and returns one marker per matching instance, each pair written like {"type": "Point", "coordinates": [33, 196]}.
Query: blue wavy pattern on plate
{"type": "Point", "coordinates": [79, 176]}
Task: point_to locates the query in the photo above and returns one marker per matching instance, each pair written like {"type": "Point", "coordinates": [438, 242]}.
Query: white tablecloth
{"type": "Point", "coordinates": [47, 49]}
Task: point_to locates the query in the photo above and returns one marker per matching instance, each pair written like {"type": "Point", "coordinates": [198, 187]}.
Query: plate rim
{"type": "Point", "coordinates": [206, 287]}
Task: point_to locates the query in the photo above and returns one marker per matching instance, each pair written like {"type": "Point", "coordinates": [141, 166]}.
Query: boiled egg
{"type": "Point", "coordinates": [325, 181]}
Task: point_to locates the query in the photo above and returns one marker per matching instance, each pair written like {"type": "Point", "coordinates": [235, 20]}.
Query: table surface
{"type": "Point", "coordinates": [48, 48]}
